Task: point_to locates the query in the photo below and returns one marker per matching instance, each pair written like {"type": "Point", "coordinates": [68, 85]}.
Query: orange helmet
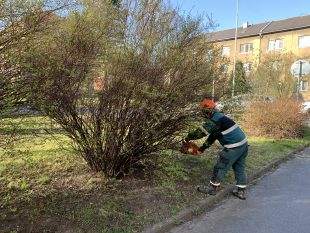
{"type": "Point", "coordinates": [207, 103]}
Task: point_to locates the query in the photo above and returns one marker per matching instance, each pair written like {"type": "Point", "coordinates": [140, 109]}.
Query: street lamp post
{"type": "Point", "coordinates": [213, 88]}
{"type": "Point", "coordinates": [298, 79]}
{"type": "Point", "coordinates": [236, 35]}
{"type": "Point", "coordinates": [299, 69]}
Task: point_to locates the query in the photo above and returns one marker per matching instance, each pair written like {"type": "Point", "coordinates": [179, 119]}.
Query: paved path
{"type": "Point", "coordinates": [278, 203]}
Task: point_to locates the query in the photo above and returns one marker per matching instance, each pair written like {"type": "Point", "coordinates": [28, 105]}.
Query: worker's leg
{"type": "Point", "coordinates": [240, 175]}
{"type": "Point", "coordinates": [226, 158]}
{"type": "Point", "coordinates": [239, 167]}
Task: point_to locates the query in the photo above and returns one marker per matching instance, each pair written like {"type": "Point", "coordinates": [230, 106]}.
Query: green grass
{"type": "Point", "coordinates": [41, 177]}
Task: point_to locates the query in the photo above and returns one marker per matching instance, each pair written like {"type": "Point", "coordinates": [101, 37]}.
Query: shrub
{"type": "Point", "coordinates": [281, 118]}
{"type": "Point", "coordinates": [122, 81]}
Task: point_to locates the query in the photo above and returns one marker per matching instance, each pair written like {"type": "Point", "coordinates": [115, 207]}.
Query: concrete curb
{"type": "Point", "coordinates": [210, 202]}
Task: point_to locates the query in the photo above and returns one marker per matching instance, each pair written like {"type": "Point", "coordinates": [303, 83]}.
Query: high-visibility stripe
{"type": "Point", "coordinates": [241, 186]}
{"type": "Point", "coordinates": [236, 144]}
{"type": "Point", "coordinates": [235, 126]}
{"type": "Point", "coordinates": [204, 130]}
{"type": "Point", "coordinates": [215, 184]}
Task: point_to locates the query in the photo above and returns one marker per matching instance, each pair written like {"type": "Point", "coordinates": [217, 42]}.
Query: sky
{"type": "Point", "coordinates": [254, 11]}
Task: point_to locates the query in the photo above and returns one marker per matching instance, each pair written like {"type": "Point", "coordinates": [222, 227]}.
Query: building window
{"type": "Point", "coordinates": [304, 86]}
{"type": "Point", "coordinates": [226, 51]}
{"type": "Point", "coordinates": [246, 48]}
{"type": "Point", "coordinates": [247, 67]}
{"type": "Point", "coordinates": [304, 41]}
{"type": "Point", "coordinates": [275, 45]}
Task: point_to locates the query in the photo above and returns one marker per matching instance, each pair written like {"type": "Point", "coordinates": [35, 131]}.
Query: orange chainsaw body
{"type": "Point", "coordinates": [190, 148]}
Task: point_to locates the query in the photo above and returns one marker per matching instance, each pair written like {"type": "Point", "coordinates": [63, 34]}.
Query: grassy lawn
{"type": "Point", "coordinates": [46, 187]}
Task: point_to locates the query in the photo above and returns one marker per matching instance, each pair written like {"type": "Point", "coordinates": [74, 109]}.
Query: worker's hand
{"type": "Point", "coordinates": [201, 150]}
{"type": "Point", "coordinates": [203, 147]}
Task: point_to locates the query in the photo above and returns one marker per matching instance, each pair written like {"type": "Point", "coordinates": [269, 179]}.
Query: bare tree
{"type": "Point", "coordinates": [148, 64]}
{"type": "Point", "coordinates": [272, 77]}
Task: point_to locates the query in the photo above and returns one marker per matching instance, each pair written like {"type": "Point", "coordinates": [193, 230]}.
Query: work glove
{"type": "Point", "coordinates": [203, 147]}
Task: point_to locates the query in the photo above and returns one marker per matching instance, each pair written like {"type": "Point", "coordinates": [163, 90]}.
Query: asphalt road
{"type": "Point", "coordinates": [278, 203]}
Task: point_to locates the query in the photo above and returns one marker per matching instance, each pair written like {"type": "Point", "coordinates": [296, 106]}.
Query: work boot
{"type": "Point", "coordinates": [240, 193]}
{"type": "Point", "coordinates": [210, 189]}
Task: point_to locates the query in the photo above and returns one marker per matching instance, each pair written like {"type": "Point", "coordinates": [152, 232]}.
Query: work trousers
{"type": "Point", "coordinates": [235, 158]}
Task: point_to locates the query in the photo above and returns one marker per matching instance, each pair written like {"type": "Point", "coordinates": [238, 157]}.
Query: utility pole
{"type": "Point", "coordinates": [213, 88]}
{"type": "Point", "coordinates": [298, 79]}
{"type": "Point", "coordinates": [235, 54]}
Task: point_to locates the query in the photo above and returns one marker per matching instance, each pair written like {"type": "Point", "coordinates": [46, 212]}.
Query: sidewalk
{"type": "Point", "coordinates": [279, 203]}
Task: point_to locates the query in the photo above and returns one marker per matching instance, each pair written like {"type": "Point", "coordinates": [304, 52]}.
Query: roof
{"type": "Point", "coordinates": [263, 28]}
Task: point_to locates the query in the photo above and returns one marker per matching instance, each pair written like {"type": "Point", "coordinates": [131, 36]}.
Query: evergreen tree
{"type": "Point", "coordinates": [242, 85]}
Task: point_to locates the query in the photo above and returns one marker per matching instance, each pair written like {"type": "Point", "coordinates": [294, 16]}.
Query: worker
{"type": "Point", "coordinates": [218, 126]}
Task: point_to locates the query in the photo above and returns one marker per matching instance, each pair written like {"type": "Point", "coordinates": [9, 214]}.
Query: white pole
{"type": "Point", "coordinates": [213, 88]}
{"type": "Point", "coordinates": [298, 79]}
{"type": "Point", "coordinates": [235, 54]}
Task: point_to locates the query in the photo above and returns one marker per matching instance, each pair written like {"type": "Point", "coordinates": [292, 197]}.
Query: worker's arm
{"type": "Point", "coordinates": [196, 134]}
{"type": "Point", "coordinates": [215, 133]}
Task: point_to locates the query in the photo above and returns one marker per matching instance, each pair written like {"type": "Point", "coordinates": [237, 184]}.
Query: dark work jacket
{"type": "Point", "coordinates": [219, 127]}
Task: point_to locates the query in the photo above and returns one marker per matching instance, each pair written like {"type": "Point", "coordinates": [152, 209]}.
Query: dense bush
{"type": "Point", "coordinates": [281, 118]}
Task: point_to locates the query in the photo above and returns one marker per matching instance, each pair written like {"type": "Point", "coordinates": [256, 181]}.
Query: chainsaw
{"type": "Point", "coordinates": [190, 148]}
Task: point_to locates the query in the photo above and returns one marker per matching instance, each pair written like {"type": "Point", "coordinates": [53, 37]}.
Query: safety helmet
{"type": "Point", "coordinates": [207, 103]}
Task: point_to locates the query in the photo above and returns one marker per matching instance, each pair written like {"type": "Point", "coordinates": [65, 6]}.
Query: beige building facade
{"type": "Point", "coordinates": [256, 41]}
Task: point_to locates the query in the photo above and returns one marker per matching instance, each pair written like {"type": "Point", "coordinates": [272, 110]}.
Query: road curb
{"type": "Point", "coordinates": [210, 202]}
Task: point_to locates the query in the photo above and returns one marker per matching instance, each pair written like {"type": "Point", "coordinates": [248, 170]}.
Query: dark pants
{"type": "Point", "coordinates": [235, 158]}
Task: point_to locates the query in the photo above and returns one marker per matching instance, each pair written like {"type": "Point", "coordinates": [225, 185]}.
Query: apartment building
{"type": "Point", "coordinates": [290, 35]}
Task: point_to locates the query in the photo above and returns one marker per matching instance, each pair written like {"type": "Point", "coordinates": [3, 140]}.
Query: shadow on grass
{"type": "Point", "coordinates": [30, 131]}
